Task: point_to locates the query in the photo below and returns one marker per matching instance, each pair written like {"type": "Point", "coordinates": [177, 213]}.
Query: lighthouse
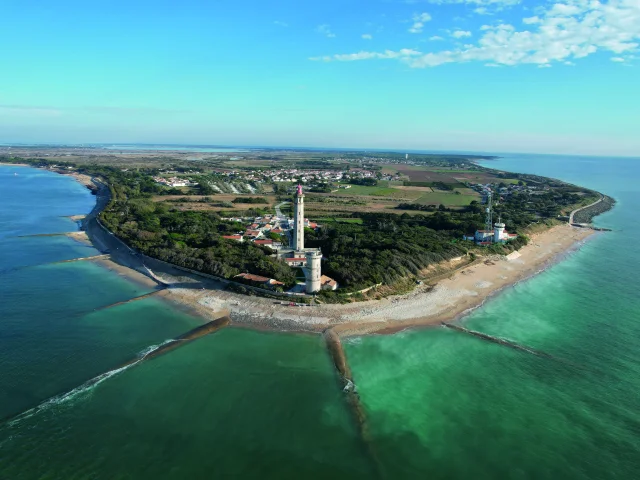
{"type": "Point", "coordinates": [498, 232]}
{"type": "Point", "coordinates": [298, 232]}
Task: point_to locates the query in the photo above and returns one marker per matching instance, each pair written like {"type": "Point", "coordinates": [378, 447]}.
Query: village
{"type": "Point", "coordinates": [266, 230]}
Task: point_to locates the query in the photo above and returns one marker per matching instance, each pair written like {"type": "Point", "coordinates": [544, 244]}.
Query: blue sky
{"type": "Point", "coordinates": [486, 75]}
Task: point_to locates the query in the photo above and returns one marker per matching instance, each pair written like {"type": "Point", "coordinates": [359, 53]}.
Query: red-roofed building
{"type": "Point", "coordinates": [263, 242]}
{"type": "Point", "coordinates": [259, 280]}
{"type": "Point", "coordinates": [233, 237]}
{"type": "Point", "coordinates": [296, 262]}
{"type": "Point", "coordinates": [328, 283]}
{"type": "Point", "coordinates": [253, 233]}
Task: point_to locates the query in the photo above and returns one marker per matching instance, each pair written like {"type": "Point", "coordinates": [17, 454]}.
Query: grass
{"type": "Point", "coordinates": [363, 190]}
{"type": "Point", "coordinates": [394, 193]}
{"type": "Point", "coordinates": [339, 220]}
{"type": "Point", "coordinates": [446, 199]}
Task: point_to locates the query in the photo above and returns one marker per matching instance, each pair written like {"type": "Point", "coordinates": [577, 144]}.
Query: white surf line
{"type": "Point", "coordinates": [87, 386]}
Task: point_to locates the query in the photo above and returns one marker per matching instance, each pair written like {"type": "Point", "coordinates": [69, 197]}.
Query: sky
{"type": "Point", "coordinates": [464, 75]}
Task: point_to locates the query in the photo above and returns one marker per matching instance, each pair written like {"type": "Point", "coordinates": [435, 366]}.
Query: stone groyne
{"type": "Point", "coordinates": [336, 350]}
{"type": "Point", "coordinates": [154, 351]}
{"type": "Point", "coordinates": [191, 335]}
{"type": "Point", "coordinates": [586, 215]}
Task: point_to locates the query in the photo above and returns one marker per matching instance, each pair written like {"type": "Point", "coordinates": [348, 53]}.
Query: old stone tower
{"type": "Point", "coordinates": [313, 271]}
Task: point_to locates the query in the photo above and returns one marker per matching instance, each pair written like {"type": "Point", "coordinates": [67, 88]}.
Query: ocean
{"type": "Point", "coordinates": [249, 404]}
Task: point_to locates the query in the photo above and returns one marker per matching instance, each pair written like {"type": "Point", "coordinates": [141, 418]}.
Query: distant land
{"type": "Point", "coordinates": [387, 223]}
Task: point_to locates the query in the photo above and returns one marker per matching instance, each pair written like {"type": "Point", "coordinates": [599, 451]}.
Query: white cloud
{"type": "Point", "coordinates": [461, 34]}
{"type": "Point", "coordinates": [563, 33]}
{"type": "Point", "coordinates": [280, 24]}
{"type": "Point", "coordinates": [531, 20]}
{"type": "Point", "coordinates": [617, 59]}
{"type": "Point", "coordinates": [436, 38]}
{"type": "Point", "coordinates": [387, 54]}
{"type": "Point", "coordinates": [482, 11]}
{"type": "Point", "coordinates": [367, 36]}
{"type": "Point", "coordinates": [325, 30]}
{"type": "Point", "coordinates": [419, 19]}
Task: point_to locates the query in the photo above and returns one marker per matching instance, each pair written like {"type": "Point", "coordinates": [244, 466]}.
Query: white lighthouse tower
{"type": "Point", "coordinates": [313, 271]}
{"type": "Point", "coordinates": [298, 231]}
{"type": "Point", "coordinates": [498, 232]}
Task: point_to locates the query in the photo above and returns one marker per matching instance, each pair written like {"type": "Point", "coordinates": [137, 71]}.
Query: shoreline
{"type": "Point", "coordinates": [450, 299]}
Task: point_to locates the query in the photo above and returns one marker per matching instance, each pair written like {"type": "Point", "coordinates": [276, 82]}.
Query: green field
{"type": "Point", "coordinates": [447, 199]}
{"type": "Point", "coordinates": [391, 193]}
{"type": "Point", "coordinates": [339, 220]}
{"type": "Point", "coordinates": [362, 190]}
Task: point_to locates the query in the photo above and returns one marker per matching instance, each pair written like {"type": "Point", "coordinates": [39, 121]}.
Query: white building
{"type": "Point", "coordinates": [313, 271]}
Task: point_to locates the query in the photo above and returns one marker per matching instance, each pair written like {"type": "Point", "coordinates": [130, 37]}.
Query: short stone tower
{"type": "Point", "coordinates": [298, 218]}
{"type": "Point", "coordinates": [313, 271]}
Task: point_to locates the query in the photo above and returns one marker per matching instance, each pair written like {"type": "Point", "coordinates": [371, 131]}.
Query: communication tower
{"type": "Point", "coordinates": [488, 223]}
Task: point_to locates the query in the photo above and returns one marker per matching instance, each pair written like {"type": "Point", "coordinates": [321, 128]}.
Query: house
{"type": "Point", "coordinates": [268, 243]}
{"type": "Point", "coordinates": [259, 280]}
{"type": "Point", "coordinates": [253, 233]}
{"type": "Point", "coordinates": [328, 283]}
{"type": "Point", "coordinates": [238, 238]}
{"type": "Point", "coordinates": [483, 235]}
{"type": "Point", "coordinates": [296, 262]}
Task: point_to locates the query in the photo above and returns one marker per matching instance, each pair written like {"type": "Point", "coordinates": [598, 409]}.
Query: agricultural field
{"type": "Point", "coordinates": [448, 199]}
{"type": "Point", "coordinates": [338, 220]}
{"type": "Point", "coordinates": [213, 203]}
{"type": "Point", "coordinates": [416, 173]}
{"type": "Point", "coordinates": [390, 192]}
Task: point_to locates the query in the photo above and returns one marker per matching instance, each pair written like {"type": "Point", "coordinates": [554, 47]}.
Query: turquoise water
{"type": "Point", "coordinates": [440, 404]}
{"type": "Point", "coordinates": [454, 406]}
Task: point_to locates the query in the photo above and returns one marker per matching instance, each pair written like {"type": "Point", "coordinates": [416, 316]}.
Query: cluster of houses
{"type": "Point", "coordinates": [258, 230]}
{"type": "Point", "coordinates": [308, 177]}
{"type": "Point", "coordinates": [494, 189]}
{"type": "Point", "coordinates": [295, 255]}
{"type": "Point", "coordinates": [175, 182]}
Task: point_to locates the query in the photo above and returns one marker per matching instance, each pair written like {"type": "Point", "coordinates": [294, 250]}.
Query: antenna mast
{"type": "Point", "coordinates": [489, 219]}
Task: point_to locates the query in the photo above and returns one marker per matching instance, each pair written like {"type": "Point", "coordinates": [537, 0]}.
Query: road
{"type": "Point", "coordinates": [279, 214]}
{"type": "Point", "coordinates": [582, 208]}
{"type": "Point", "coordinates": [103, 240]}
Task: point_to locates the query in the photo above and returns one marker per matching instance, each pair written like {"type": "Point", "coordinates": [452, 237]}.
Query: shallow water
{"type": "Point", "coordinates": [439, 403]}
{"type": "Point", "coordinates": [456, 406]}
{"type": "Point", "coordinates": [236, 402]}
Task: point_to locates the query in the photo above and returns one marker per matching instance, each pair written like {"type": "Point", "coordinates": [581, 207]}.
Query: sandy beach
{"type": "Point", "coordinates": [447, 300]}
{"type": "Point", "coordinates": [5, 164]}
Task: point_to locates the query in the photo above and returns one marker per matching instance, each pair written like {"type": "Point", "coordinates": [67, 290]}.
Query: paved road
{"type": "Point", "coordinates": [582, 208]}
{"type": "Point", "coordinates": [279, 214]}
{"type": "Point", "coordinates": [104, 240]}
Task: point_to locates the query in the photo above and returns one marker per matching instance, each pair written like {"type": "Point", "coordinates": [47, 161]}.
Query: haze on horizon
{"type": "Point", "coordinates": [464, 75]}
